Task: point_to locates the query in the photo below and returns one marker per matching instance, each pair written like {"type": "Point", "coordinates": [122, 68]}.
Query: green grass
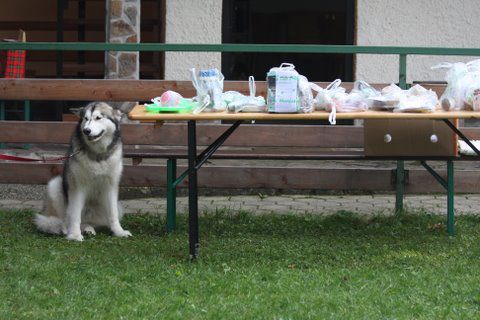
{"type": "Point", "coordinates": [251, 267]}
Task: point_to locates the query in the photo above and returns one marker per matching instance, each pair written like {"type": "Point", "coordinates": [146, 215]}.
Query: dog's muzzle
{"type": "Point", "coordinates": [88, 133]}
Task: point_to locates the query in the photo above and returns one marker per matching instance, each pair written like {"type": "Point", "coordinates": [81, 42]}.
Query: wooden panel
{"type": "Point", "coordinates": [107, 90]}
{"type": "Point", "coordinates": [260, 177]}
{"type": "Point", "coordinates": [174, 134]}
{"type": "Point", "coordinates": [139, 113]}
{"type": "Point", "coordinates": [123, 90]}
{"type": "Point", "coordinates": [112, 90]}
{"type": "Point", "coordinates": [87, 90]}
{"type": "Point", "coordinates": [221, 177]}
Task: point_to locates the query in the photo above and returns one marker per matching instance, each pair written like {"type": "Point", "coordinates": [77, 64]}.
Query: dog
{"type": "Point", "coordinates": [86, 195]}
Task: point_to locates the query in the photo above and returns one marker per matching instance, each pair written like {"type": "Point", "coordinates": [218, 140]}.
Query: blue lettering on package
{"type": "Point", "coordinates": [208, 73]}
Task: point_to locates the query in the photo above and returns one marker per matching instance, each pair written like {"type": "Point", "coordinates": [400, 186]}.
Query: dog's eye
{"type": "Point", "coordinates": [85, 118]}
{"type": "Point", "coordinates": [98, 118]}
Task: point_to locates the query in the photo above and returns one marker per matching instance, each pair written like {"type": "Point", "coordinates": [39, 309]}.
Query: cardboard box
{"type": "Point", "coordinates": [396, 137]}
{"type": "Point", "coordinates": [12, 62]}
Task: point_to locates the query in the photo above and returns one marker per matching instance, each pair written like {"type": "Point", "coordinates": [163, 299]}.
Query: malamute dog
{"type": "Point", "coordinates": [86, 196]}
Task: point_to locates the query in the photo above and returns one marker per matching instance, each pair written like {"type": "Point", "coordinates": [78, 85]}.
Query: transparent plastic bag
{"type": "Point", "coordinates": [352, 102]}
{"type": "Point", "coordinates": [387, 99]}
{"type": "Point", "coordinates": [237, 102]}
{"type": "Point", "coordinates": [325, 96]}
{"type": "Point", "coordinates": [209, 86]}
{"type": "Point", "coordinates": [459, 77]}
{"type": "Point", "coordinates": [417, 99]}
{"type": "Point", "coordinates": [296, 91]}
{"type": "Point", "coordinates": [283, 94]}
{"type": "Point", "coordinates": [472, 94]}
{"type": "Point", "coordinates": [306, 89]}
{"type": "Point", "coordinates": [364, 89]}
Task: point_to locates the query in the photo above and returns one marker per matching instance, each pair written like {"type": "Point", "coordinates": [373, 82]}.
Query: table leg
{"type": "Point", "coordinates": [450, 198]}
{"type": "Point", "coordinates": [192, 191]}
{"type": "Point", "coordinates": [171, 194]}
{"type": "Point", "coordinates": [400, 186]}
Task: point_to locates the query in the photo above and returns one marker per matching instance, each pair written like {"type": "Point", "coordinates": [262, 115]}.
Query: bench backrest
{"type": "Point", "coordinates": [123, 90]}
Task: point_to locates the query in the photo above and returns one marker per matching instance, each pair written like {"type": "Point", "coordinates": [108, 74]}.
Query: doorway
{"type": "Point", "coordinates": [287, 22]}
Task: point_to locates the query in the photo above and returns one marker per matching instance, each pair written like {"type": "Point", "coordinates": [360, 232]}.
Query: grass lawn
{"type": "Point", "coordinates": [251, 267]}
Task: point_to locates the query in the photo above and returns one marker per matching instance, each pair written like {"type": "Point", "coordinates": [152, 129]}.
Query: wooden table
{"type": "Point", "coordinates": [195, 161]}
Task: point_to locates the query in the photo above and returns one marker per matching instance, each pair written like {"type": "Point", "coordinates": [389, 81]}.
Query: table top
{"type": "Point", "coordinates": [139, 113]}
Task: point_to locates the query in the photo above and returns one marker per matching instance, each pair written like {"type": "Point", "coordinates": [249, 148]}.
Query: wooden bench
{"type": "Point", "coordinates": [168, 141]}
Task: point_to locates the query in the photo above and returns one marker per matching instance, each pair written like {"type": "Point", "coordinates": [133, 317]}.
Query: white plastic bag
{"type": "Point", "coordinates": [461, 79]}
{"type": "Point", "coordinates": [324, 97]}
{"type": "Point", "coordinates": [282, 89]}
{"type": "Point", "coordinates": [288, 91]}
{"type": "Point", "coordinates": [364, 89]}
{"type": "Point", "coordinates": [209, 86]}
{"type": "Point", "coordinates": [417, 99]}
{"type": "Point", "coordinates": [237, 102]}
{"type": "Point", "coordinates": [352, 102]}
{"type": "Point", "coordinates": [307, 101]}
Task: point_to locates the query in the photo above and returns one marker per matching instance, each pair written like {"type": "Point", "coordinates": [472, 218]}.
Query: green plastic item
{"type": "Point", "coordinates": [183, 107]}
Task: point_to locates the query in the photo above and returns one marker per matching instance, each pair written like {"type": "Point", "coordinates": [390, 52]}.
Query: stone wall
{"type": "Point", "coordinates": [122, 26]}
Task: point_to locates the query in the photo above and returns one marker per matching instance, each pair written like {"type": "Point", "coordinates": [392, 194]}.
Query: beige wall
{"type": "Point", "coordinates": [192, 21]}
{"type": "Point", "coordinates": [439, 23]}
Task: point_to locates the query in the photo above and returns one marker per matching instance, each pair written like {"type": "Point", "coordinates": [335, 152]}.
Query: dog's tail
{"type": "Point", "coordinates": [48, 224]}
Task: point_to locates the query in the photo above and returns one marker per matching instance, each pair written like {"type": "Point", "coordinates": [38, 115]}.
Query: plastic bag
{"type": "Point", "coordinates": [168, 99]}
{"type": "Point", "coordinates": [288, 91]}
{"type": "Point", "coordinates": [324, 97]}
{"type": "Point", "coordinates": [417, 99]}
{"type": "Point", "coordinates": [306, 89]}
{"type": "Point", "coordinates": [237, 102]}
{"type": "Point", "coordinates": [209, 86]}
{"type": "Point", "coordinates": [364, 89]}
{"type": "Point", "coordinates": [283, 95]}
{"type": "Point", "coordinates": [387, 99]}
{"type": "Point", "coordinates": [473, 96]}
{"type": "Point", "coordinates": [352, 102]}
{"type": "Point", "coordinates": [461, 79]}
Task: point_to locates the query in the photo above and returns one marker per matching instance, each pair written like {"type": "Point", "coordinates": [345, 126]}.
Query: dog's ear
{"type": "Point", "coordinates": [118, 115]}
{"type": "Point", "coordinates": [79, 112]}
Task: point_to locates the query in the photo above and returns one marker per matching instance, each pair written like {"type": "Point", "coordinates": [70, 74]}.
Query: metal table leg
{"type": "Point", "coordinates": [192, 191]}
{"type": "Point", "coordinates": [450, 199]}
{"type": "Point", "coordinates": [399, 186]}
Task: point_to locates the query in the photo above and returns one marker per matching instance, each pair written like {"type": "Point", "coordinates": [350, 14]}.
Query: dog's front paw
{"type": "Point", "coordinates": [88, 229]}
{"type": "Point", "coordinates": [75, 237]}
{"type": "Point", "coordinates": [122, 233]}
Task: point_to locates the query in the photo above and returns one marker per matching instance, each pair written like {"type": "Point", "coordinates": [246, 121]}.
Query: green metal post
{"type": "Point", "coordinates": [26, 110]}
{"type": "Point", "coordinates": [2, 110]}
{"type": "Point", "coordinates": [402, 71]}
{"type": "Point", "coordinates": [171, 194]}
{"type": "Point", "coordinates": [400, 178]}
{"type": "Point", "coordinates": [450, 197]}
{"type": "Point", "coordinates": [26, 117]}
{"type": "Point", "coordinates": [399, 186]}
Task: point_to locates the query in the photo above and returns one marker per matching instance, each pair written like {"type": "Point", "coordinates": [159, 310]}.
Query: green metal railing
{"type": "Point", "coordinates": [402, 52]}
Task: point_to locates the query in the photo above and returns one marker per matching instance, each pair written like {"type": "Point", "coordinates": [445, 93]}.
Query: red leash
{"type": "Point", "coordinates": [25, 159]}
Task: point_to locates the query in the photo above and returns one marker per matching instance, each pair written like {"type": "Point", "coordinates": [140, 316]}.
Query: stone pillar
{"type": "Point", "coordinates": [122, 24]}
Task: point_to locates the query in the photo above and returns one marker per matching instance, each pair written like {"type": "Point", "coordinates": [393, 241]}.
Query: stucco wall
{"type": "Point", "coordinates": [439, 23]}
{"type": "Point", "coordinates": [192, 21]}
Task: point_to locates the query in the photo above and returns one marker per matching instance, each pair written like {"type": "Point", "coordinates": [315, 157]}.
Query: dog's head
{"type": "Point", "coordinates": [98, 119]}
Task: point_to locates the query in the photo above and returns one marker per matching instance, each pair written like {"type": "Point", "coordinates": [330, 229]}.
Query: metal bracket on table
{"type": "Point", "coordinates": [437, 177]}
{"type": "Point", "coordinates": [209, 151]}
